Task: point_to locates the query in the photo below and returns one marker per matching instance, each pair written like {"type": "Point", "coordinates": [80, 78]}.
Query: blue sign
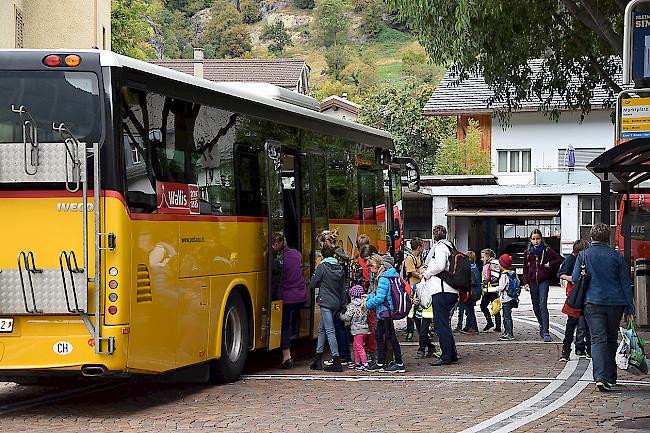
{"type": "Point", "coordinates": [641, 46]}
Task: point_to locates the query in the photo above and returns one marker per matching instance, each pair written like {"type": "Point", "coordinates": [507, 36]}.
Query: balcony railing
{"type": "Point", "coordinates": [563, 176]}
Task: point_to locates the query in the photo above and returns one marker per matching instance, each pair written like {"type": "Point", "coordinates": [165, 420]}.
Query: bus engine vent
{"type": "Point", "coordinates": [143, 284]}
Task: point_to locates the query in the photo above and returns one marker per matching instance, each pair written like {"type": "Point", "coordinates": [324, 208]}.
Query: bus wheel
{"type": "Point", "coordinates": [234, 342]}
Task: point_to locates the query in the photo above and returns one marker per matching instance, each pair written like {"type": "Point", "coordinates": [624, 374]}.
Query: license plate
{"type": "Point", "coordinates": [6, 325]}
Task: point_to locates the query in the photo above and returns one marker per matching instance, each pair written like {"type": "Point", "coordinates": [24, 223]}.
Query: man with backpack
{"type": "Point", "coordinates": [440, 274]}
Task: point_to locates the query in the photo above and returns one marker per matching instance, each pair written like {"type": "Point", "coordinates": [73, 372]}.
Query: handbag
{"type": "Point", "coordinates": [576, 298]}
{"type": "Point", "coordinates": [424, 293]}
{"type": "Point", "coordinates": [573, 312]}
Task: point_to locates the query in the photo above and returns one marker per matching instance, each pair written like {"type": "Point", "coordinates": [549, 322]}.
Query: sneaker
{"type": "Point", "coordinates": [374, 367]}
{"type": "Point", "coordinates": [488, 327]}
{"type": "Point", "coordinates": [581, 353]}
{"type": "Point", "coordinates": [328, 362]}
{"type": "Point", "coordinates": [361, 367]}
{"type": "Point", "coordinates": [353, 365]}
{"type": "Point", "coordinates": [469, 331]}
{"type": "Point", "coordinates": [603, 386]}
{"type": "Point", "coordinates": [395, 368]}
{"type": "Point", "coordinates": [419, 354]}
{"type": "Point", "coordinates": [504, 337]}
{"type": "Point", "coordinates": [547, 338]}
{"type": "Point", "coordinates": [565, 357]}
{"type": "Point", "coordinates": [288, 364]}
{"type": "Point", "coordinates": [510, 337]}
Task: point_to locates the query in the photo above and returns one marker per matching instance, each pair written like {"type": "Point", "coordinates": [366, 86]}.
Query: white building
{"type": "Point", "coordinates": [531, 186]}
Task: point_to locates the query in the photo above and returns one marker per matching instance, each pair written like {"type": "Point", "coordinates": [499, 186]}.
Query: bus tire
{"type": "Point", "coordinates": [234, 342]}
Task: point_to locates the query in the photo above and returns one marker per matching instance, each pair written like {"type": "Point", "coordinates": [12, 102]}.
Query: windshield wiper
{"type": "Point", "coordinates": [29, 130]}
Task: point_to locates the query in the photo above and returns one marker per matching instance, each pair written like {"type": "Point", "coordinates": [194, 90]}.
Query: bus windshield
{"type": "Point", "coordinates": [50, 97]}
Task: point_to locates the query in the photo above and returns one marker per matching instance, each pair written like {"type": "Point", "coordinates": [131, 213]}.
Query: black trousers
{"type": "Point", "coordinates": [386, 328]}
{"type": "Point", "coordinates": [583, 338]}
{"type": "Point", "coordinates": [424, 335]}
{"type": "Point", "coordinates": [485, 301]}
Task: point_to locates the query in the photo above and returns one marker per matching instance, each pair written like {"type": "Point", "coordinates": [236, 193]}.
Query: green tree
{"type": "Point", "coordinates": [576, 40]}
{"type": "Point", "coordinates": [226, 34]}
{"type": "Point", "coordinates": [415, 64]}
{"type": "Point", "coordinates": [250, 12]}
{"type": "Point", "coordinates": [372, 18]}
{"type": "Point", "coordinates": [331, 25]}
{"type": "Point", "coordinates": [130, 30]}
{"type": "Point", "coordinates": [331, 87]}
{"type": "Point", "coordinates": [456, 156]}
{"type": "Point", "coordinates": [278, 35]}
{"type": "Point", "coordinates": [336, 59]}
{"type": "Point", "coordinates": [304, 4]}
{"type": "Point", "coordinates": [398, 110]}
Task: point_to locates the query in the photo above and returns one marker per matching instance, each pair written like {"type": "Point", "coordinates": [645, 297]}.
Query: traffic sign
{"type": "Point", "coordinates": [635, 118]}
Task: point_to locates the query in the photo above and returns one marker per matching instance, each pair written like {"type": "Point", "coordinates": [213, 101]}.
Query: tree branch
{"type": "Point", "coordinates": [601, 28]}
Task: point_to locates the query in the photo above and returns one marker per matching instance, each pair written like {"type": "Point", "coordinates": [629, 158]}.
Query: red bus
{"type": "Point", "coordinates": [634, 212]}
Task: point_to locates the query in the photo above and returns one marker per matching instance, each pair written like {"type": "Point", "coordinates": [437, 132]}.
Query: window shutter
{"type": "Point", "coordinates": [583, 156]}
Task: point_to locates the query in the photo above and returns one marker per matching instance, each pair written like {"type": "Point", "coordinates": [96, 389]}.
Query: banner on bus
{"type": "Point", "coordinates": [635, 118]}
{"type": "Point", "coordinates": [177, 198]}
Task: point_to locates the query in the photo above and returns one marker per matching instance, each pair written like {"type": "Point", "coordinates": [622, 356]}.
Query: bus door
{"type": "Point", "coordinates": [283, 201]}
{"type": "Point", "coordinates": [316, 171]}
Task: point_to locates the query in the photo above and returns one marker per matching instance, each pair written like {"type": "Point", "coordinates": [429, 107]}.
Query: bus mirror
{"type": "Point", "coordinates": [413, 180]}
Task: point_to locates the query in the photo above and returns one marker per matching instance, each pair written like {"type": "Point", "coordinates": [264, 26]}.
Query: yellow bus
{"type": "Point", "coordinates": [137, 205]}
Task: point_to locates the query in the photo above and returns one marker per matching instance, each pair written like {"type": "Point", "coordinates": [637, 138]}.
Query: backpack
{"type": "Point", "coordinates": [474, 294]}
{"type": "Point", "coordinates": [514, 287]}
{"type": "Point", "coordinates": [493, 273]}
{"type": "Point", "coordinates": [400, 293]}
{"type": "Point", "coordinates": [459, 275]}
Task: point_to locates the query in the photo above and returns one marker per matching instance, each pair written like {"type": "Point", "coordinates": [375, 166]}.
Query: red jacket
{"type": "Point", "coordinates": [534, 269]}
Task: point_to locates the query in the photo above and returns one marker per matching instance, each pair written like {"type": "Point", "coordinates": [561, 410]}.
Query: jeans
{"type": "Point", "coordinates": [326, 331]}
{"type": "Point", "coordinates": [461, 314]}
{"type": "Point", "coordinates": [386, 328]}
{"type": "Point", "coordinates": [603, 321]}
{"type": "Point", "coordinates": [539, 296]}
{"type": "Point", "coordinates": [471, 316]}
{"type": "Point", "coordinates": [485, 301]}
{"type": "Point", "coordinates": [443, 303]}
{"type": "Point", "coordinates": [288, 319]}
{"type": "Point", "coordinates": [359, 351]}
{"type": "Point", "coordinates": [573, 324]}
{"type": "Point", "coordinates": [342, 338]}
{"type": "Point", "coordinates": [424, 335]}
{"type": "Point", "coordinates": [507, 317]}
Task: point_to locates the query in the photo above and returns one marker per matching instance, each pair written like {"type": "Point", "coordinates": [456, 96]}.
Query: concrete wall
{"type": "Point", "coordinates": [57, 24]}
{"type": "Point", "coordinates": [544, 137]}
{"type": "Point", "coordinates": [8, 22]}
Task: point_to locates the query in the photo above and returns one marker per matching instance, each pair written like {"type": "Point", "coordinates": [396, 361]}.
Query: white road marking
{"type": "Point", "coordinates": [392, 378]}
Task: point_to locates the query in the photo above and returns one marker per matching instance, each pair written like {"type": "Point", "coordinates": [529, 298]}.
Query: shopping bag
{"type": "Point", "coordinates": [637, 362]}
{"type": "Point", "coordinates": [623, 351]}
{"type": "Point", "coordinates": [423, 291]}
{"type": "Point", "coordinates": [496, 306]}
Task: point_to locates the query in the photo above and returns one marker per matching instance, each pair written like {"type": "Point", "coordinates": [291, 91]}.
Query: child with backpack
{"type": "Point", "coordinates": [382, 301]}
{"type": "Point", "coordinates": [490, 283]}
{"type": "Point", "coordinates": [356, 314]}
{"type": "Point", "coordinates": [509, 289]}
{"type": "Point", "coordinates": [472, 327]}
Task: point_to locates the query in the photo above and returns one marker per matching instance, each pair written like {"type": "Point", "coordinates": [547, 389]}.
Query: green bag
{"type": "Point", "coordinates": [638, 364]}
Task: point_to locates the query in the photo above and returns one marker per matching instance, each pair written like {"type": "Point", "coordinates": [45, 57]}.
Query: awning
{"type": "Point", "coordinates": [626, 165]}
{"type": "Point", "coordinates": [504, 213]}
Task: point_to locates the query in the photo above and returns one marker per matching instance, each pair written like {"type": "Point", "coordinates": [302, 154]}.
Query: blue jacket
{"type": "Point", "coordinates": [610, 278]}
{"type": "Point", "coordinates": [477, 280]}
{"type": "Point", "coordinates": [376, 300]}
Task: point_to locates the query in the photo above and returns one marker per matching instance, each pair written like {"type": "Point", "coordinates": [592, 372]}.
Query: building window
{"type": "Point", "coordinates": [513, 161]}
{"type": "Point", "coordinates": [550, 227]}
{"type": "Point", "coordinates": [135, 155]}
{"type": "Point", "coordinates": [20, 26]}
{"type": "Point", "coordinates": [590, 214]}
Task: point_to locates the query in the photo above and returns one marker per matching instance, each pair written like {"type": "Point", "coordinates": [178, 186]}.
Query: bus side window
{"type": "Point", "coordinates": [248, 182]}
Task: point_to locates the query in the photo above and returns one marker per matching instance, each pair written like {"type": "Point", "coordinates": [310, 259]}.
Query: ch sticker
{"type": "Point", "coordinates": [62, 348]}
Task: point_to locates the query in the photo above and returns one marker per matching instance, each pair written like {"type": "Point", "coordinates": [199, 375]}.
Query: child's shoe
{"type": "Point", "coordinates": [565, 357]}
{"type": "Point", "coordinates": [362, 367]}
{"type": "Point", "coordinates": [374, 367]}
{"type": "Point", "coordinates": [353, 365]}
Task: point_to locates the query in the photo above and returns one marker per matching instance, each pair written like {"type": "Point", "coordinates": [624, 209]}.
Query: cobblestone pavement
{"type": "Point", "coordinates": [491, 378]}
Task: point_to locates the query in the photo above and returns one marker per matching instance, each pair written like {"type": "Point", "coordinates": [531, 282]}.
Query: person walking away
{"type": "Point", "coordinates": [577, 325]}
{"type": "Point", "coordinates": [331, 298]}
{"type": "Point", "coordinates": [490, 283]}
{"type": "Point", "coordinates": [381, 300]}
{"type": "Point", "coordinates": [411, 273]}
{"type": "Point", "coordinates": [509, 292]}
{"type": "Point", "coordinates": [292, 290]}
{"type": "Point", "coordinates": [539, 262]}
{"type": "Point", "coordinates": [356, 314]}
{"type": "Point", "coordinates": [471, 326]}
{"type": "Point", "coordinates": [608, 296]}
{"type": "Point", "coordinates": [444, 297]}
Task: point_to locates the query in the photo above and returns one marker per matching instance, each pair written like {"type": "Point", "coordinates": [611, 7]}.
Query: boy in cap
{"type": "Point", "coordinates": [509, 289]}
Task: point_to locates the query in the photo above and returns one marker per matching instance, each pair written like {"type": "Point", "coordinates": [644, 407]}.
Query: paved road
{"type": "Point", "coordinates": [497, 386]}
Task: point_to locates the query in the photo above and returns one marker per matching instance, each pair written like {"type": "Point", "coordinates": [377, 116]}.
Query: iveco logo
{"type": "Point", "coordinates": [73, 207]}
